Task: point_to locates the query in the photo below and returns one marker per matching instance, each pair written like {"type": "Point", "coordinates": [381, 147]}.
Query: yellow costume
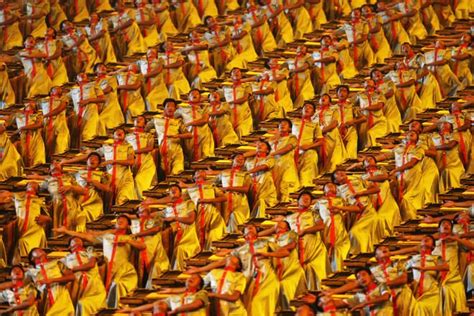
{"type": "Point", "coordinates": [67, 210]}
{"type": "Point", "coordinates": [131, 35]}
{"type": "Point", "coordinates": [153, 259]}
{"type": "Point", "coordinates": [224, 281]}
{"type": "Point", "coordinates": [144, 14]}
{"type": "Point", "coordinates": [121, 177]}
{"type": "Point", "coordinates": [77, 10]}
{"type": "Point", "coordinates": [91, 293]}
{"type": "Point", "coordinates": [18, 295]}
{"type": "Point", "coordinates": [326, 72]}
{"type": "Point", "coordinates": [332, 151]}
{"type": "Point", "coordinates": [448, 82]}
{"type": "Point", "coordinates": [145, 168]}
{"type": "Point", "coordinates": [155, 86]}
{"type": "Point", "coordinates": [171, 152]}
{"type": "Point", "coordinates": [237, 210]}
{"type": "Point", "coordinates": [54, 67]}
{"type": "Point", "coordinates": [301, 87]}
{"type": "Point", "coordinates": [31, 141]}
{"type": "Point", "coordinates": [289, 270]}
{"type": "Point", "coordinates": [200, 69]}
{"type": "Point", "coordinates": [221, 57]}
{"type": "Point", "coordinates": [429, 170]}
{"type": "Point", "coordinates": [186, 16]}
{"type": "Point", "coordinates": [306, 132]}
{"type": "Point", "coordinates": [449, 164]}
{"type": "Point", "coordinates": [186, 242]}
{"type": "Point", "coordinates": [390, 109]}
{"type": "Point", "coordinates": [103, 44]}
{"type": "Point", "coordinates": [121, 276]}
{"type": "Point", "coordinates": [31, 235]}
{"type": "Point", "coordinates": [376, 124]}
{"type": "Point", "coordinates": [174, 77]}
{"type": "Point", "coordinates": [37, 26]}
{"type": "Point", "coordinates": [411, 190]}
{"type": "Point", "coordinates": [378, 41]}
{"type": "Point", "coordinates": [240, 114]}
{"type": "Point", "coordinates": [92, 204]}
{"type": "Point", "coordinates": [7, 94]}
{"type": "Point", "coordinates": [57, 298]}
{"type": "Point", "coordinates": [201, 145]}
{"type": "Point", "coordinates": [360, 50]}
{"type": "Point", "coordinates": [312, 252]}
{"type": "Point", "coordinates": [87, 115]}
{"type": "Point", "coordinates": [111, 114]}
{"type": "Point", "coordinates": [452, 288]}
{"type": "Point", "coordinates": [348, 134]}
{"type": "Point", "coordinates": [131, 100]}
{"type": "Point", "coordinates": [335, 233]}
{"type": "Point", "coordinates": [221, 127]}
{"type": "Point", "coordinates": [264, 106]}
{"type": "Point", "coordinates": [38, 81]}
{"type": "Point", "coordinates": [244, 49]}
{"type": "Point", "coordinates": [210, 225]}
{"type": "Point", "coordinates": [10, 34]}
{"type": "Point", "coordinates": [11, 163]}
{"type": "Point", "coordinates": [84, 53]}
{"type": "Point", "coordinates": [461, 68]}
{"type": "Point", "coordinates": [426, 290]}
{"type": "Point", "coordinates": [261, 34]}
{"type": "Point", "coordinates": [263, 287]}
{"type": "Point", "coordinates": [280, 86]}
{"type": "Point", "coordinates": [56, 128]}
{"type": "Point", "coordinates": [285, 172]}
{"type": "Point", "coordinates": [176, 301]}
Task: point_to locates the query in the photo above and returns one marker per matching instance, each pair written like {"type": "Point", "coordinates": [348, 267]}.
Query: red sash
{"type": "Point", "coordinates": [164, 147]}
{"type": "Point", "coordinates": [85, 280]}
{"type": "Point", "coordinates": [45, 277]}
{"type": "Point", "coordinates": [112, 260]}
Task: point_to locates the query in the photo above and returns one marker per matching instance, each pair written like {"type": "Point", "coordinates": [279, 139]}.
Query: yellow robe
{"type": "Point", "coordinates": [333, 151]}
{"type": "Point", "coordinates": [176, 301]}
{"type": "Point", "coordinates": [103, 45]}
{"type": "Point", "coordinates": [263, 39]}
{"type": "Point", "coordinates": [201, 145]}
{"type": "Point", "coordinates": [121, 176]}
{"type": "Point", "coordinates": [285, 172]}
{"type": "Point", "coordinates": [171, 152]}
{"type": "Point", "coordinates": [265, 106]}
{"type": "Point", "coordinates": [56, 297]}
{"type": "Point", "coordinates": [91, 293]}
{"type": "Point", "coordinates": [31, 141]}
{"type": "Point", "coordinates": [57, 137]}
{"type": "Point", "coordinates": [131, 100]}
{"type": "Point", "coordinates": [186, 16]}
{"type": "Point", "coordinates": [376, 124]}
{"type": "Point", "coordinates": [326, 74]}
{"type": "Point", "coordinates": [37, 27]}
{"type": "Point", "coordinates": [378, 42]}
{"type": "Point", "coordinates": [390, 109]}
{"type": "Point", "coordinates": [155, 87]}
{"type": "Point", "coordinates": [84, 53]}
{"type": "Point", "coordinates": [289, 270]}
{"type": "Point", "coordinates": [31, 235]}
{"type": "Point", "coordinates": [263, 286]}
{"type": "Point", "coordinates": [7, 94]}
{"type": "Point", "coordinates": [174, 77]}
{"type": "Point", "coordinates": [92, 204]}
{"type": "Point", "coordinates": [11, 164]}
{"type": "Point", "coordinates": [245, 51]}
{"type": "Point", "coordinates": [210, 225]}
{"type": "Point", "coordinates": [10, 34]}
{"type": "Point", "coordinates": [429, 302]}
{"type": "Point", "coordinates": [123, 276]}
{"type": "Point", "coordinates": [222, 281]}
{"type": "Point", "coordinates": [240, 114]}
{"type": "Point", "coordinates": [150, 34]}
{"type": "Point", "coordinates": [306, 132]}
{"type": "Point", "coordinates": [448, 82]}
{"type": "Point", "coordinates": [131, 36]}
{"type": "Point", "coordinates": [312, 252]}
{"type": "Point", "coordinates": [186, 242]}
{"type": "Point", "coordinates": [237, 209]}
{"type": "Point", "coordinates": [338, 248]}
{"type": "Point", "coordinates": [111, 114]}
{"type": "Point", "coordinates": [349, 135]}
{"type": "Point", "coordinates": [153, 259]}
{"type": "Point", "coordinates": [221, 127]}
{"type": "Point", "coordinates": [88, 115]}
{"type": "Point", "coordinates": [411, 189]}
{"type": "Point", "coordinates": [301, 87]}
{"type": "Point", "coordinates": [144, 168]}
{"type": "Point", "coordinates": [263, 193]}
{"type": "Point", "coordinates": [9, 296]}
{"type": "Point", "coordinates": [38, 81]}
{"type": "Point", "coordinates": [449, 164]}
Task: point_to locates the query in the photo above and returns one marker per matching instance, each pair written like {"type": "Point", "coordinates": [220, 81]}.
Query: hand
{"type": "Point", "coordinates": [428, 219]}
{"type": "Point", "coordinates": [169, 219]}
{"type": "Point", "coordinates": [42, 220]}
{"type": "Point", "coordinates": [449, 204]}
{"type": "Point", "coordinates": [64, 189]}
{"type": "Point", "coordinates": [302, 233]}
{"type": "Point", "coordinates": [358, 306]}
{"type": "Point", "coordinates": [278, 218]}
{"type": "Point", "coordinates": [107, 162]}
{"type": "Point", "coordinates": [125, 310]}
{"type": "Point", "coordinates": [309, 298]}
{"type": "Point", "coordinates": [328, 292]}
{"type": "Point", "coordinates": [419, 268]}
{"type": "Point", "coordinates": [393, 172]}
{"type": "Point", "coordinates": [165, 291]}
{"type": "Point", "coordinates": [83, 102]}
{"type": "Point", "coordinates": [61, 230]}
{"type": "Point", "coordinates": [44, 282]}
{"type": "Point", "coordinates": [193, 270]}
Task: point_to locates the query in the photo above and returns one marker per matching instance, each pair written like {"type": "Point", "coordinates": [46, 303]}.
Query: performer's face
{"type": "Point", "coordinates": [304, 200]}
{"type": "Point", "coordinates": [76, 243]}
{"type": "Point", "coordinates": [382, 252]}
{"type": "Point", "coordinates": [308, 110]}
{"type": "Point", "coordinates": [121, 223]}
{"type": "Point", "coordinates": [17, 274]}
{"type": "Point", "coordinates": [364, 278]}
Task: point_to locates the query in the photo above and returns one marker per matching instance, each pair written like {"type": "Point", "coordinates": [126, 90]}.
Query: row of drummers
{"type": "Point", "coordinates": [268, 269]}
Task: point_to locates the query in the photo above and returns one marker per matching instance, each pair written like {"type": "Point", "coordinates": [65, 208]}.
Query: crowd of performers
{"type": "Point", "coordinates": [97, 69]}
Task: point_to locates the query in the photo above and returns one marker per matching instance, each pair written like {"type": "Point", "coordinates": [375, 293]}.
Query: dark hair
{"type": "Point", "coordinates": [333, 176]}
{"type": "Point", "coordinates": [343, 86]}
{"type": "Point", "coordinates": [445, 220]}
{"type": "Point", "coordinates": [310, 103]}
{"type": "Point", "coordinates": [71, 239]}
{"type": "Point", "coordinates": [30, 256]}
{"type": "Point", "coordinates": [366, 269]}
{"type": "Point", "coordinates": [201, 281]}
{"type": "Point", "coordinates": [205, 19]}
{"type": "Point", "coordinates": [119, 128]}
{"type": "Point", "coordinates": [95, 154]}
{"type": "Point", "coordinates": [326, 94]}
{"type": "Point", "coordinates": [97, 66]}
{"type": "Point", "coordinates": [19, 266]}
{"type": "Point", "coordinates": [305, 193]}
{"type": "Point", "coordinates": [269, 147]}
{"type": "Point", "coordinates": [290, 123]}
{"type": "Point", "coordinates": [174, 185]}
{"type": "Point", "coordinates": [129, 221]}
{"type": "Point", "coordinates": [433, 240]}
{"type": "Point", "coordinates": [373, 71]}
{"type": "Point", "coordinates": [167, 100]}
